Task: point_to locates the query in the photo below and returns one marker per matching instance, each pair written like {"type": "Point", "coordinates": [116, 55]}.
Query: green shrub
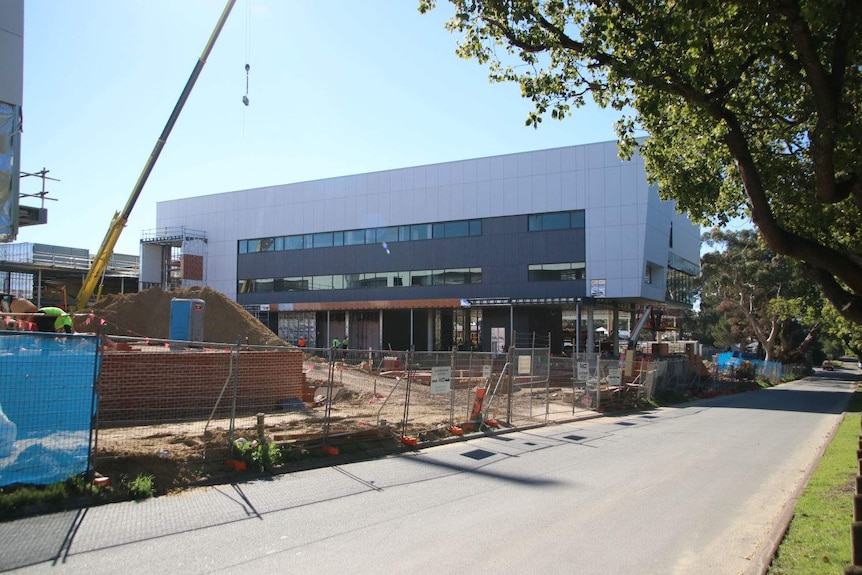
{"type": "Point", "coordinates": [48, 497]}
{"type": "Point", "coordinates": [260, 456]}
{"type": "Point", "coordinates": [141, 487]}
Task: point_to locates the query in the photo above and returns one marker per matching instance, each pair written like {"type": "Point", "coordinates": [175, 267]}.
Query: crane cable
{"type": "Point", "coordinates": [247, 51]}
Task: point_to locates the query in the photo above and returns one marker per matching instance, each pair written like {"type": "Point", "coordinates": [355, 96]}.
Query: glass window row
{"type": "Point", "coordinates": [556, 221]}
{"type": "Point", "coordinates": [557, 272]}
{"type": "Point", "coordinates": [680, 287]}
{"type": "Point", "coordinates": [456, 276]}
{"type": "Point", "coordinates": [386, 235]}
{"type": "Point", "coordinates": [574, 271]}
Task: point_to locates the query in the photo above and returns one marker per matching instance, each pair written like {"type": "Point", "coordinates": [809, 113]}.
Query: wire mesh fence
{"type": "Point", "coordinates": [182, 411]}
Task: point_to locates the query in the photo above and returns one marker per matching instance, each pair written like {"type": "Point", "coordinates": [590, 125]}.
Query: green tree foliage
{"type": "Point", "coordinates": [763, 295]}
{"type": "Point", "coordinates": [843, 335]}
{"type": "Point", "coordinates": [752, 108]}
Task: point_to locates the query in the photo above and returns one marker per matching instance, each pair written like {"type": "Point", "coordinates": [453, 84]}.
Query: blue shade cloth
{"type": "Point", "coordinates": [46, 406]}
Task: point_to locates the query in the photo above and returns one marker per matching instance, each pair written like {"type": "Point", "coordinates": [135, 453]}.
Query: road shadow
{"type": "Point", "coordinates": [823, 392]}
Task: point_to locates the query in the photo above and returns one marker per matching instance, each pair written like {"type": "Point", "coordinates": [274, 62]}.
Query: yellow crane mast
{"type": "Point", "coordinates": [118, 222]}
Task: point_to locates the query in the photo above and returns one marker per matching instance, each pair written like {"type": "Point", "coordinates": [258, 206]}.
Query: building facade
{"type": "Point", "coordinates": [467, 253]}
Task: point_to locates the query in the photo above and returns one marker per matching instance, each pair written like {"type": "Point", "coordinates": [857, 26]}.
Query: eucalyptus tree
{"type": "Point", "coordinates": [751, 108]}
{"type": "Point", "coordinates": [745, 279]}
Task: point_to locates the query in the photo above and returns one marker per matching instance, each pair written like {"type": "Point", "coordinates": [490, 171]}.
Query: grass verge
{"type": "Point", "coordinates": [818, 539]}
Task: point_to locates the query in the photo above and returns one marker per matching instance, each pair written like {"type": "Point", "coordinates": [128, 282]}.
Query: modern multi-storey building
{"type": "Point", "coordinates": [466, 253]}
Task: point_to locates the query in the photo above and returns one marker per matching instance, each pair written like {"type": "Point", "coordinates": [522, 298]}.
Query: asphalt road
{"type": "Point", "coordinates": [702, 488]}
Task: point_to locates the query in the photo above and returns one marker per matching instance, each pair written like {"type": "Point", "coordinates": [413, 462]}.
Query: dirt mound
{"type": "Point", "coordinates": [148, 314]}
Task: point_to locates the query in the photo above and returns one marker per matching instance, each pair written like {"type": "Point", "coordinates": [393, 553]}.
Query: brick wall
{"type": "Point", "coordinates": [140, 388]}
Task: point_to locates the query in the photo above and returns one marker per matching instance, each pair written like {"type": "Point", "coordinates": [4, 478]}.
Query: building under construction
{"type": "Point", "coordinates": [52, 275]}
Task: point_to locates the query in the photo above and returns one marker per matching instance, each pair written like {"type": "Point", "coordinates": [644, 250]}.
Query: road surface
{"type": "Point", "coordinates": [702, 488]}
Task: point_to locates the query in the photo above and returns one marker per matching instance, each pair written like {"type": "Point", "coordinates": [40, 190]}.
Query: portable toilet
{"type": "Point", "coordinates": [187, 319]}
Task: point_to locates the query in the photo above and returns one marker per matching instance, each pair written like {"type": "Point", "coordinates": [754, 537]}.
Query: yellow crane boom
{"type": "Point", "coordinates": [118, 222]}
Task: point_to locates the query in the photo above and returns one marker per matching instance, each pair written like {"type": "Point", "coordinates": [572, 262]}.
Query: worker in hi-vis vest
{"type": "Point", "coordinates": [53, 319]}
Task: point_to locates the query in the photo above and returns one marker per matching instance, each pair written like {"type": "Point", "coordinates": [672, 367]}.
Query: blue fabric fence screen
{"type": "Point", "coordinates": [47, 403]}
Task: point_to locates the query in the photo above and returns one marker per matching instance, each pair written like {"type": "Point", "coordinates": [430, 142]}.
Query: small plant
{"type": "Point", "coordinates": [141, 487]}
{"type": "Point", "coordinates": [261, 456]}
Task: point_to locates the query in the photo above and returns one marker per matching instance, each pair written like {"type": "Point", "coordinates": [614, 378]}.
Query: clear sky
{"type": "Point", "coordinates": [335, 88]}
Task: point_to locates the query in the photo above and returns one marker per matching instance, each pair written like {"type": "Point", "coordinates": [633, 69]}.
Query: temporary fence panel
{"type": "Point", "coordinates": [531, 395]}
{"type": "Point", "coordinates": [162, 404]}
{"type": "Point", "coordinates": [46, 406]}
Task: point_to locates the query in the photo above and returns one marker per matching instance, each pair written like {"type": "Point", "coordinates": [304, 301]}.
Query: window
{"type": "Point", "coordinates": [323, 240]}
{"type": "Point", "coordinates": [295, 284]}
{"type": "Point", "coordinates": [263, 285]}
{"type": "Point", "coordinates": [574, 271]}
{"type": "Point", "coordinates": [457, 229]}
{"type": "Point", "coordinates": [293, 243]}
{"type": "Point", "coordinates": [458, 276]}
{"type": "Point", "coordinates": [648, 274]}
{"type": "Point", "coordinates": [354, 238]}
{"type": "Point", "coordinates": [420, 278]}
{"type": "Point", "coordinates": [555, 221]}
{"type": "Point", "coordinates": [322, 283]}
{"type": "Point", "coordinates": [680, 287]}
{"type": "Point", "coordinates": [387, 235]}
{"type": "Point", "coordinates": [368, 236]}
{"type": "Point", "coordinates": [266, 245]}
{"type": "Point", "coordinates": [372, 280]}
{"type": "Point", "coordinates": [420, 232]}
{"type": "Point", "coordinates": [561, 221]}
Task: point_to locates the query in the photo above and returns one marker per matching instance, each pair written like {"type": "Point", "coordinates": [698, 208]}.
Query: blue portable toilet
{"type": "Point", "coordinates": [187, 319]}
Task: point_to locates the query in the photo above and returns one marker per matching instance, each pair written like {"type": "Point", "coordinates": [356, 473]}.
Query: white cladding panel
{"type": "Point", "coordinates": [626, 223]}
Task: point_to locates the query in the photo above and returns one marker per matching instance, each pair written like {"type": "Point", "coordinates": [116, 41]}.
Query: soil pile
{"type": "Point", "coordinates": [148, 314]}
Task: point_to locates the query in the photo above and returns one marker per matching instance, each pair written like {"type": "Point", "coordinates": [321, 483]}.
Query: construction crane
{"type": "Point", "coordinates": [118, 222]}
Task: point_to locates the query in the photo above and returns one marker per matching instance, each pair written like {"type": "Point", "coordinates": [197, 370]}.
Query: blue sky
{"type": "Point", "coordinates": [335, 88]}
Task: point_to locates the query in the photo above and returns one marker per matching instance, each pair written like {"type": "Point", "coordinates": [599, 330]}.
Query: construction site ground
{"type": "Point", "coordinates": [362, 424]}
{"type": "Point", "coordinates": [360, 413]}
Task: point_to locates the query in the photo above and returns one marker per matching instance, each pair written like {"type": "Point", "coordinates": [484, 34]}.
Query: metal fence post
{"type": "Point", "coordinates": [452, 379]}
{"type": "Point", "coordinates": [510, 356]}
{"type": "Point", "coordinates": [232, 426]}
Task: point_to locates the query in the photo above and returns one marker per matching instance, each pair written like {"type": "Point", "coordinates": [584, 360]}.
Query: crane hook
{"type": "Point", "coordinates": [245, 98]}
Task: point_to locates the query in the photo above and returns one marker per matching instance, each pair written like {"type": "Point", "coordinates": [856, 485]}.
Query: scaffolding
{"type": "Point", "coordinates": [173, 258]}
{"type": "Point", "coordinates": [29, 270]}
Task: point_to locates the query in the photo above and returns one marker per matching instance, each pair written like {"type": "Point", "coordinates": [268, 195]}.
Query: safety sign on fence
{"type": "Point", "coordinates": [583, 371]}
{"type": "Point", "coordinates": [441, 376]}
